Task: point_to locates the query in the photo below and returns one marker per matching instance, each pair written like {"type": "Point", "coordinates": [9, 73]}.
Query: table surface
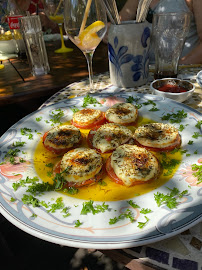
{"type": "Point", "coordinates": [66, 69]}
{"type": "Point", "coordinates": [17, 83]}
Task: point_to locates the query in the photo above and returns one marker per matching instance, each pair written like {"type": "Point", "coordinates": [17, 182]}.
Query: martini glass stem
{"type": "Point", "coordinates": [89, 58]}
{"type": "Point", "coordinates": [61, 34]}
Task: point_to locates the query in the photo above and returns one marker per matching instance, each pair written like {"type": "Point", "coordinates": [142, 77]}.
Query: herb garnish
{"type": "Point", "coordinates": [56, 117]}
{"type": "Point", "coordinates": [89, 100]}
{"type": "Point", "coordinates": [78, 223]}
{"type": "Point", "coordinates": [133, 204]}
{"type": "Point", "coordinates": [27, 132]}
{"type": "Point", "coordinates": [198, 125]}
{"type": "Point", "coordinates": [175, 117]}
{"type": "Point", "coordinates": [169, 165]}
{"type": "Point", "coordinates": [169, 199]}
{"type": "Point", "coordinates": [196, 135]}
{"type": "Point", "coordinates": [38, 119]}
{"type": "Point", "coordinates": [74, 110]}
{"type": "Point", "coordinates": [88, 207]}
{"type": "Point", "coordinates": [141, 225]}
{"type": "Point", "coordinates": [197, 172]}
{"type": "Point", "coordinates": [127, 214]}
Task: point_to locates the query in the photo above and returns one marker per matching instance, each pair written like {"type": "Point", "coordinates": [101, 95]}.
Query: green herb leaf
{"type": "Point", "coordinates": [175, 117]}
{"type": "Point", "coordinates": [88, 207]}
{"type": "Point", "coordinates": [196, 135]}
{"type": "Point", "coordinates": [89, 100]}
{"type": "Point", "coordinates": [197, 172]}
{"type": "Point", "coordinates": [127, 214]}
{"type": "Point", "coordinates": [56, 116]}
{"type": "Point", "coordinates": [199, 123]}
{"type": "Point", "coordinates": [169, 199]}
{"type": "Point", "coordinates": [145, 211]}
{"type": "Point", "coordinates": [78, 223]}
{"type": "Point", "coordinates": [141, 225]}
{"type": "Point", "coordinates": [133, 204]}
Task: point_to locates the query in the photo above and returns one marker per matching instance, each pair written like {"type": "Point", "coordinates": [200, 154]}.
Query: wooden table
{"type": "Point", "coordinates": [21, 93]}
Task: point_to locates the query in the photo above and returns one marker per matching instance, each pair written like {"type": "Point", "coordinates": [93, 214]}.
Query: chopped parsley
{"type": "Point", "coordinates": [102, 183]}
{"type": "Point", "coordinates": [38, 119]}
{"type": "Point", "coordinates": [72, 190]}
{"type": "Point", "coordinates": [88, 207]}
{"type": "Point", "coordinates": [59, 204]}
{"type": "Point", "coordinates": [151, 102]}
{"type": "Point", "coordinates": [89, 100]}
{"type": "Point", "coordinates": [145, 211]}
{"type": "Point", "coordinates": [196, 135]}
{"type": "Point", "coordinates": [27, 132]}
{"type": "Point", "coordinates": [175, 117]}
{"type": "Point", "coordinates": [197, 172]}
{"type": "Point", "coordinates": [18, 144]}
{"type": "Point", "coordinates": [181, 127]}
{"type": "Point", "coordinates": [190, 142]}
{"type": "Point", "coordinates": [127, 214]}
{"type": "Point", "coordinates": [74, 110]}
{"type": "Point", "coordinates": [133, 204]}
{"type": "Point", "coordinates": [66, 211]}
{"type": "Point", "coordinates": [130, 99]}
{"type": "Point", "coordinates": [169, 165]}
{"type": "Point", "coordinates": [141, 225]}
{"type": "Point", "coordinates": [11, 154]}
{"type": "Point", "coordinates": [169, 199]}
{"type": "Point", "coordinates": [198, 124]}
{"type": "Point", "coordinates": [29, 199]}
{"type": "Point", "coordinates": [78, 223]}
{"type": "Point", "coordinates": [56, 117]}
{"type": "Point", "coordinates": [39, 188]}
{"type": "Point", "coordinates": [23, 182]}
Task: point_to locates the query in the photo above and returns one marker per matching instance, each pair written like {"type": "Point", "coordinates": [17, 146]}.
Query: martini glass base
{"type": "Point", "coordinates": [63, 50]}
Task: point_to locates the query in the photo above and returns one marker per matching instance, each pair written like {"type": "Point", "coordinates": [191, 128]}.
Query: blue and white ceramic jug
{"type": "Point", "coordinates": [128, 50]}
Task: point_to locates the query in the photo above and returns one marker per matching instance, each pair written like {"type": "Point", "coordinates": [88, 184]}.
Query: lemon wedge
{"type": "Point", "coordinates": [88, 39]}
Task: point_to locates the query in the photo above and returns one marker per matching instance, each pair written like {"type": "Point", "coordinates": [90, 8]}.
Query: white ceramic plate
{"type": "Point", "coordinates": [199, 78]}
{"type": "Point", "coordinates": [95, 231]}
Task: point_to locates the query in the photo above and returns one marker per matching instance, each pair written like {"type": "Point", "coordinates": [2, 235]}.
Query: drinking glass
{"type": "Point", "coordinates": [85, 23]}
{"type": "Point", "coordinates": [54, 10]}
{"type": "Point", "coordinates": [169, 31]}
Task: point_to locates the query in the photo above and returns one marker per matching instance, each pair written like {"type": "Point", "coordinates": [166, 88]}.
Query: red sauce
{"type": "Point", "coordinates": [172, 88]}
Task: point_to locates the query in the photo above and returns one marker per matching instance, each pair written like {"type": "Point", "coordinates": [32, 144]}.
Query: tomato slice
{"type": "Point", "coordinates": [176, 144]}
{"type": "Point", "coordinates": [116, 179]}
{"type": "Point", "coordinates": [99, 176]}
{"type": "Point", "coordinates": [100, 121]}
{"type": "Point", "coordinates": [58, 151]}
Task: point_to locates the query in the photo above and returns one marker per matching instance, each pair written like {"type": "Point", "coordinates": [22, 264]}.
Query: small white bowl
{"type": "Point", "coordinates": [8, 46]}
{"type": "Point", "coordinates": [180, 97]}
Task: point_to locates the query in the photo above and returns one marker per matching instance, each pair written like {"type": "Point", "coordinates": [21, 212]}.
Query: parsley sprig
{"type": "Point", "coordinates": [169, 199]}
{"type": "Point", "coordinates": [90, 100]}
{"type": "Point", "coordinates": [175, 117]}
{"type": "Point", "coordinates": [127, 214]}
{"type": "Point", "coordinates": [89, 207]}
{"type": "Point", "coordinates": [197, 172]}
{"type": "Point", "coordinates": [56, 116]}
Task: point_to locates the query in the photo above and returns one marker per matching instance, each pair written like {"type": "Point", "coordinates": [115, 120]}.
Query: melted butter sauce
{"type": "Point", "coordinates": [109, 192]}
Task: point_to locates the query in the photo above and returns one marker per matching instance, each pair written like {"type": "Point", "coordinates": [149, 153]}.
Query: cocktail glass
{"type": "Point", "coordinates": [54, 10]}
{"type": "Point", "coordinates": [85, 23]}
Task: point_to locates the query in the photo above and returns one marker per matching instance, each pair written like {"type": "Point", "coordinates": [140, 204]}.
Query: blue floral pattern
{"type": "Point", "coordinates": [140, 66]}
